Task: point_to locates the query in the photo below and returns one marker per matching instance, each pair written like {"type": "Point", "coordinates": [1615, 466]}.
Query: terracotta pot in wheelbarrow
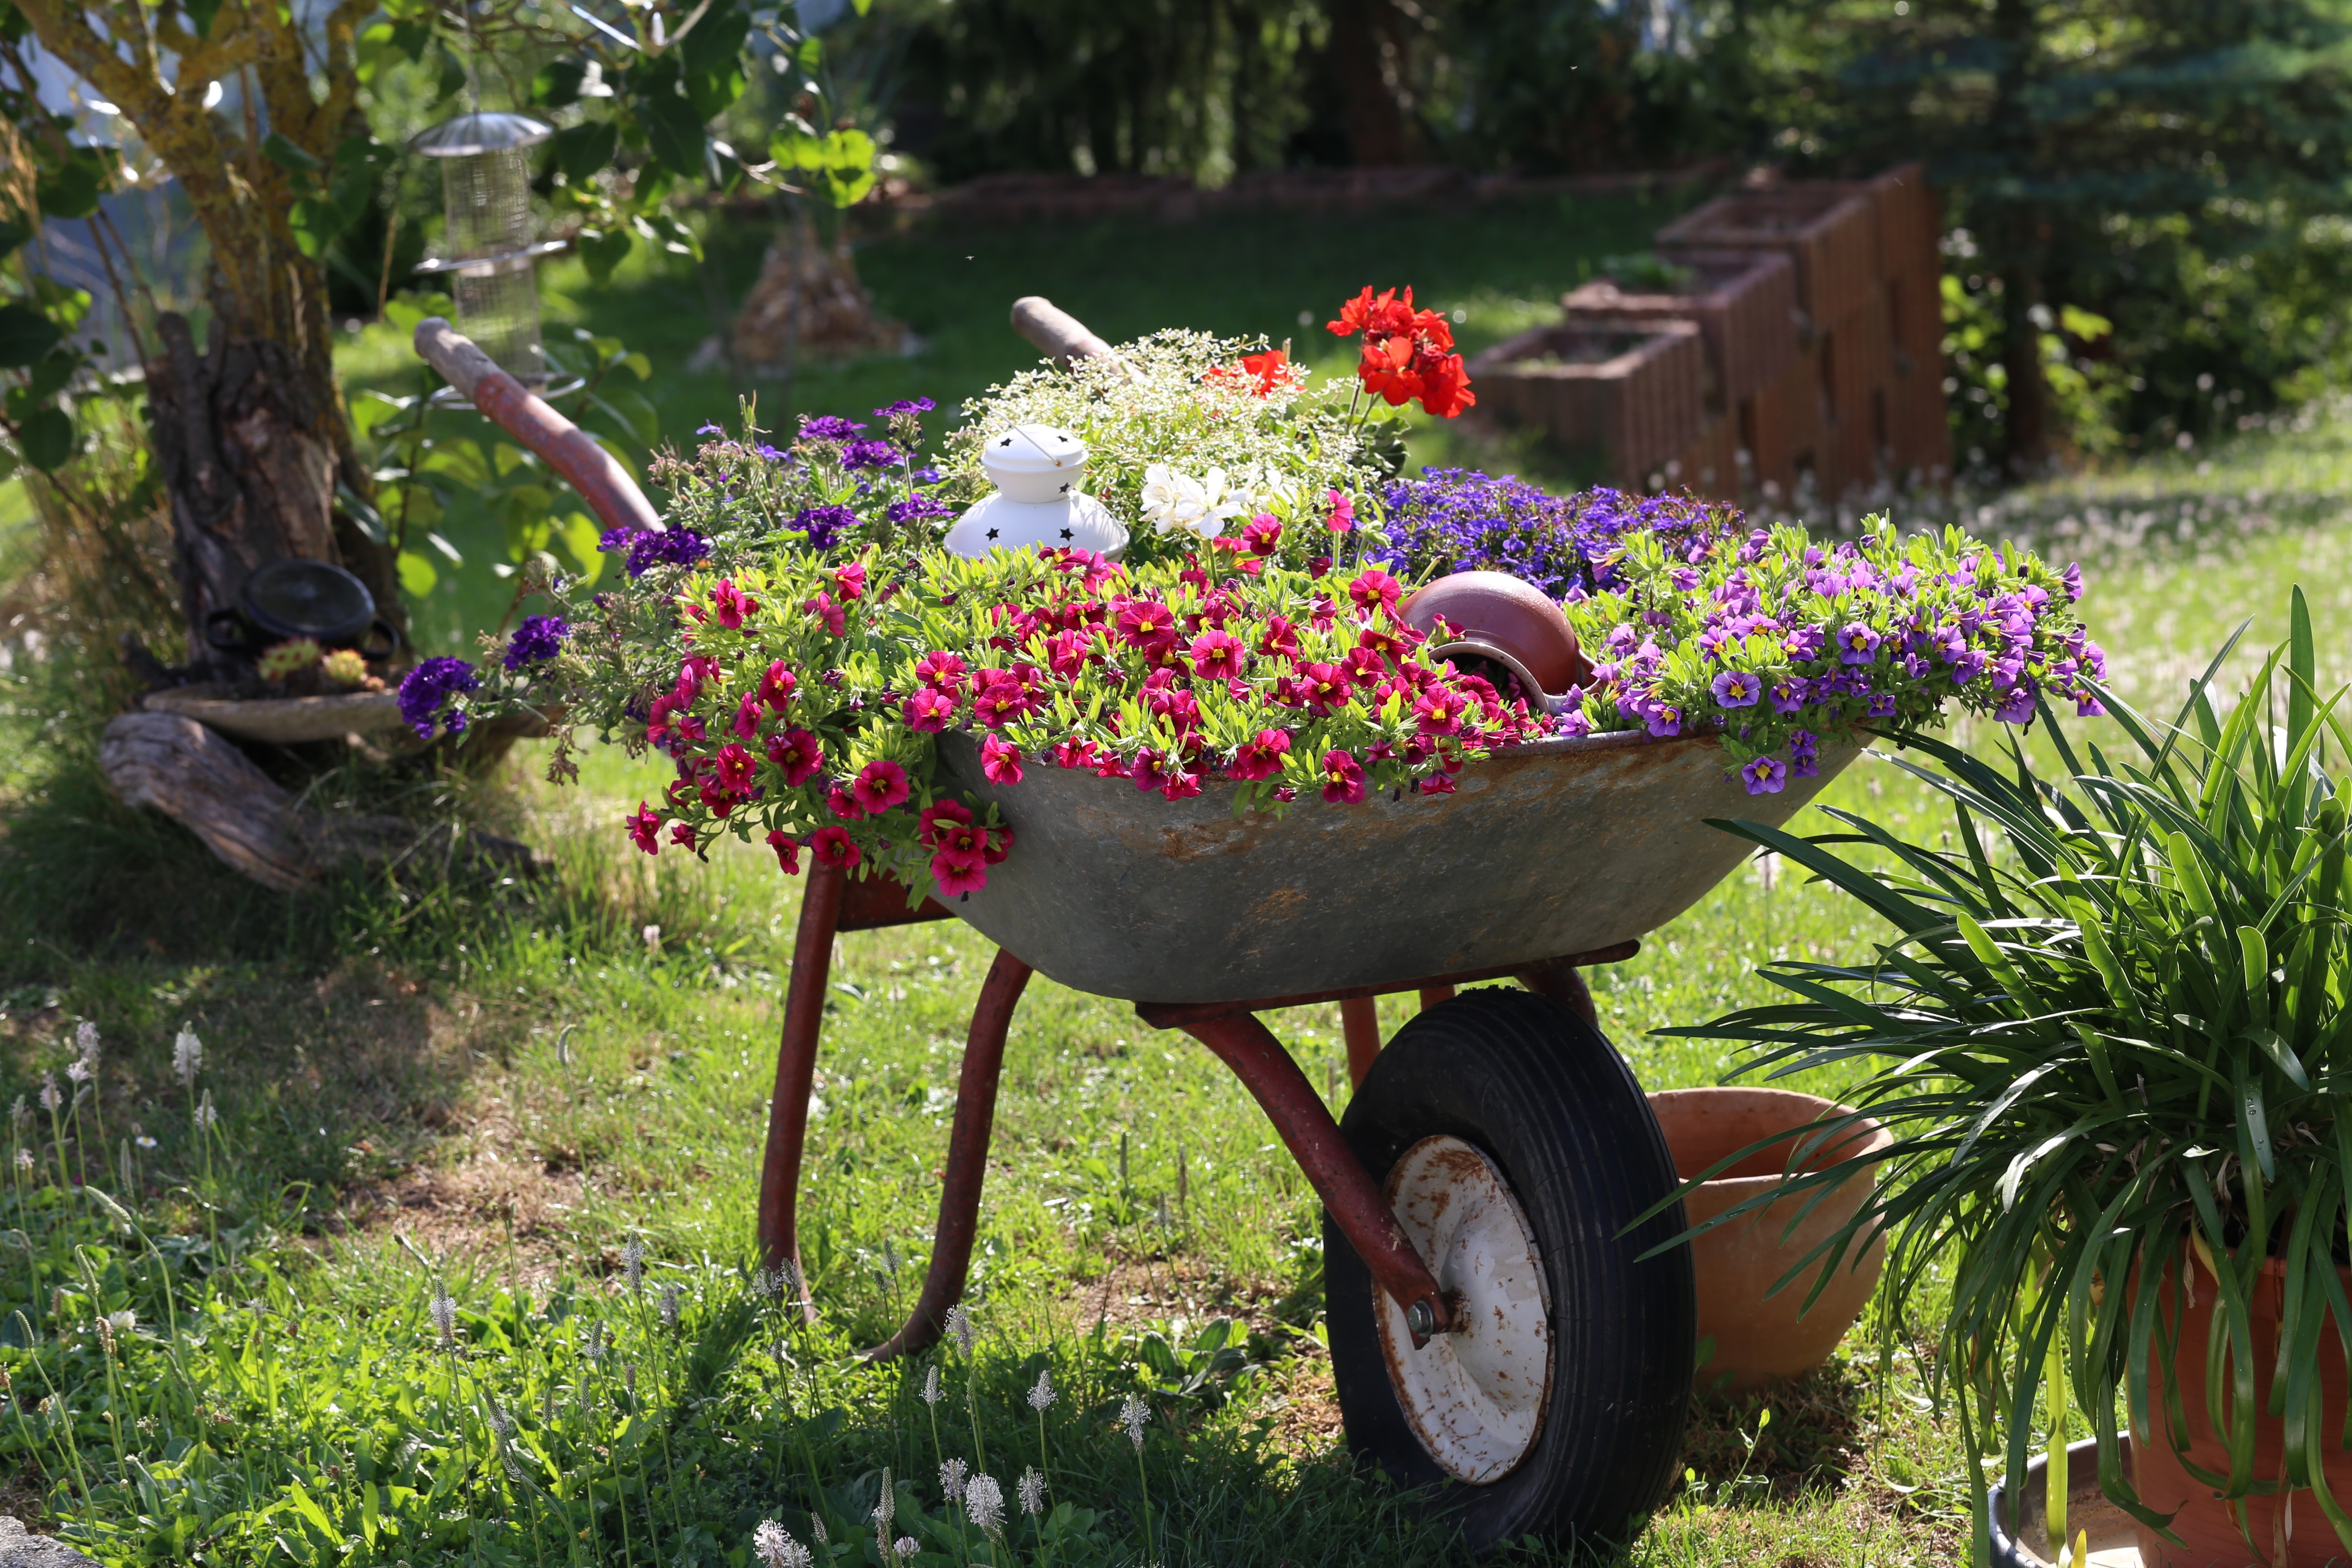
{"type": "Point", "coordinates": [1762, 1338]}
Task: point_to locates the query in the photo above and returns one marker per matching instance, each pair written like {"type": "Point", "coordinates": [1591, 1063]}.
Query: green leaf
{"type": "Point", "coordinates": [290, 157]}
{"type": "Point", "coordinates": [71, 190]}
{"type": "Point", "coordinates": [583, 148]}
{"type": "Point", "coordinates": [673, 129]}
{"type": "Point", "coordinates": [810, 54]}
{"type": "Point", "coordinates": [578, 535]}
{"type": "Point", "coordinates": [603, 251]}
{"type": "Point", "coordinates": [201, 13]}
{"type": "Point", "coordinates": [417, 577]}
{"type": "Point", "coordinates": [12, 235]}
{"type": "Point", "coordinates": [557, 85]}
{"type": "Point", "coordinates": [47, 438]}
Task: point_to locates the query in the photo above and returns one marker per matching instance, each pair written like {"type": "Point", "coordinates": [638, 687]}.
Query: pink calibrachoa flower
{"type": "Point", "coordinates": [1000, 762]}
{"type": "Point", "coordinates": [798, 754]}
{"type": "Point", "coordinates": [736, 769]}
{"type": "Point", "coordinates": [694, 672]}
{"type": "Point", "coordinates": [1218, 656]}
{"type": "Point", "coordinates": [927, 821]}
{"type": "Point", "coordinates": [1439, 711]}
{"type": "Point", "coordinates": [1327, 687]}
{"type": "Point", "coordinates": [831, 846]}
{"type": "Point", "coordinates": [959, 841]}
{"type": "Point", "coordinates": [645, 829]}
{"type": "Point", "coordinates": [788, 851]}
{"type": "Point", "coordinates": [928, 710]}
{"type": "Point", "coordinates": [880, 784]}
{"type": "Point", "coordinates": [777, 686]}
{"type": "Point", "coordinates": [1343, 513]}
{"type": "Point", "coordinates": [1260, 756]}
{"type": "Point", "coordinates": [848, 581]}
{"type": "Point", "coordinates": [746, 724]}
{"type": "Point", "coordinates": [1147, 626]}
{"type": "Point", "coordinates": [844, 804]}
{"type": "Point", "coordinates": [731, 604]}
{"type": "Point", "coordinates": [824, 609]}
{"type": "Point", "coordinates": [1439, 783]}
{"type": "Point", "coordinates": [1364, 666]}
{"type": "Point", "coordinates": [1737, 687]}
{"type": "Point", "coordinates": [1066, 653]}
{"type": "Point", "coordinates": [1073, 753]}
{"type": "Point", "coordinates": [1764, 775]}
{"type": "Point", "coordinates": [1279, 640]}
{"type": "Point", "coordinates": [1262, 535]}
{"type": "Point", "coordinates": [1166, 774]}
{"type": "Point", "coordinates": [682, 834]}
{"type": "Point", "coordinates": [1374, 587]}
{"type": "Point", "coordinates": [941, 669]}
{"type": "Point", "coordinates": [1002, 700]}
{"type": "Point", "coordinates": [1856, 644]}
{"type": "Point", "coordinates": [1343, 778]}
{"type": "Point", "coordinates": [956, 878]}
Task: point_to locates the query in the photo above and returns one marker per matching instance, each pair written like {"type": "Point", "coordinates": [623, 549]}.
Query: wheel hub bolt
{"type": "Point", "coordinates": [1422, 1319]}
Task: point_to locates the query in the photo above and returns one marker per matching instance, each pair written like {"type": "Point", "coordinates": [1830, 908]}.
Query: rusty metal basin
{"type": "Point", "coordinates": [1559, 848]}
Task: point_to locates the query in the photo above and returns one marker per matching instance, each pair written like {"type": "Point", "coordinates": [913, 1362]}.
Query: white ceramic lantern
{"type": "Point", "coordinates": [1040, 502]}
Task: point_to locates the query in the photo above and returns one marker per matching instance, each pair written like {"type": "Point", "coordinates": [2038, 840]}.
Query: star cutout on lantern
{"type": "Point", "coordinates": [992, 534]}
{"type": "Point", "coordinates": [1068, 534]}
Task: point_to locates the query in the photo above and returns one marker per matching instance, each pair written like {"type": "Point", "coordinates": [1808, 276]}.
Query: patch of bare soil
{"type": "Point", "coordinates": [1305, 1407]}
{"type": "Point", "coordinates": [20, 1499]}
{"type": "Point", "coordinates": [1136, 1292]}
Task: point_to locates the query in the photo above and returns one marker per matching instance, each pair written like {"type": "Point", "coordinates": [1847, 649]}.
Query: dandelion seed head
{"type": "Point", "coordinates": [1033, 1490]}
{"type": "Point", "coordinates": [444, 1307]}
{"type": "Point", "coordinates": [959, 1329]}
{"type": "Point", "coordinates": [1042, 1394]}
{"type": "Point", "coordinates": [983, 1503]}
{"type": "Point", "coordinates": [1133, 1414]}
{"type": "Point", "coordinates": [952, 1479]}
{"type": "Point", "coordinates": [670, 1310]}
{"type": "Point", "coordinates": [932, 1391]}
{"type": "Point", "coordinates": [187, 1056]}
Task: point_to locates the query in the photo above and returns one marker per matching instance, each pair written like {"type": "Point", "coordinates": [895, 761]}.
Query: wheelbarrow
{"type": "Point", "coordinates": [1492, 1319]}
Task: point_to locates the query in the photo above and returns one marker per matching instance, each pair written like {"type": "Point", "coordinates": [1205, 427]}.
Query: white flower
{"type": "Point", "coordinates": [1176, 503]}
{"type": "Point", "coordinates": [1042, 1394]}
{"type": "Point", "coordinates": [187, 1056]}
{"type": "Point", "coordinates": [959, 1329]}
{"type": "Point", "coordinates": [19, 1115]}
{"type": "Point", "coordinates": [24, 1159]}
{"type": "Point", "coordinates": [952, 1479]}
{"type": "Point", "coordinates": [444, 1307]}
{"type": "Point", "coordinates": [885, 1507]}
{"type": "Point", "coordinates": [145, 1140]}
{"type": "Point", "coordinates": [86, 1041]}
{"type": "Point", "coordinates": [1132, 1412]}
{"type": "Point", "coordinates": [1033, 1490]}
{"type": "Point", "coordinates": [124, 1320]}
{"type": "Point", "coordinates": [206, 1117]}
{"type": "Point", "coordinates": [49, 1099]}
{"type": "Point", "coordinates": [932, 1391]}
{"type": "Point", "coordinates": [775, 1547]}
{"type": "Point", "coordinates": [817, 1528]}
{"type": "Point", "coordinates": [78, 1070]}
{"type": "Point", "coordinates": [905, 1547]}
{"type": "Point", "coordinates": [669, 1311]}
{"type": "Point", "coordinates": [983, 1501]}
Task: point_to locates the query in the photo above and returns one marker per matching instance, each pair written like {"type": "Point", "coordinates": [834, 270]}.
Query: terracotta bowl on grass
{"type": "Point", "coordinates": [1763, 1338]}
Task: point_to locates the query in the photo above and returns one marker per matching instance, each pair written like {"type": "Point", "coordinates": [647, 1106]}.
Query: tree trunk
{"type": "Point", "coordinates": [2027, 428]}
{"type": "Point", "coordinates": [1368, 48]}
{"type": "Point", "coordinates": [2016, 231]}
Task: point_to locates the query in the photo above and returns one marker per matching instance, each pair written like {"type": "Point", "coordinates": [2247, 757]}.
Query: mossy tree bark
{"type": "Point", "coordinates": [249, 429]}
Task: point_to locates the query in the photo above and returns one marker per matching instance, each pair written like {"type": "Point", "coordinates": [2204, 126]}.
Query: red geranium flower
{"type": "Point", "coordinates": [645, 829]}
{"type": "Point", "coordinates": [928, 711]}
{"type": "Point", "coordinates": [831, 846]}
{"type": "Point", "coordinates": [880, 784]}
{"type": "Point", "coordinates": [1260, 757]}
{"type": "Point", "coordinates": [788, 851]}
{"type": "Point", "coordinates": [1343, 778]}
{"type": "Point", "coordinates": [825, 610]}
{"type": "Point", "coordinates": [1000, 762]}
{"type": "Point", "coordinates": [1407, 354]}
{"type": "Point", "coordinates": [798, 754]}
{"type": "Point", "coordinates": [731, 604]}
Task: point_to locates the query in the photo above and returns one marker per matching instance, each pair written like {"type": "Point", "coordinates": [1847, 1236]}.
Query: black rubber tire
{"type": "Point", "coordinates": [1546, 1096]}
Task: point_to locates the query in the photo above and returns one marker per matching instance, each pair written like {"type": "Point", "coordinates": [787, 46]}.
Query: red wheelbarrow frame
{"type": "Point", "coordinates": [832, 904]}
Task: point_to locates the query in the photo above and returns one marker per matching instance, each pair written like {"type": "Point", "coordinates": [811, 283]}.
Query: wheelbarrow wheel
{"type": "Point", "coordinates": [1515, 1147]}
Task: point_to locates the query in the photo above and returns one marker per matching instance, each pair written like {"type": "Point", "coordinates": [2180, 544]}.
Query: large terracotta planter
{"type": "Point", "coordinates": [1760, 1338]}
{"type": "Point", "coordinates": [2211, 1535]}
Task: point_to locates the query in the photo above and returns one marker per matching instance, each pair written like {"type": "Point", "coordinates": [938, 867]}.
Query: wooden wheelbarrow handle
{"type": "Point", "coordinates": [513, 407]}
{"type": "Point", "coordinates": [1062, 336]}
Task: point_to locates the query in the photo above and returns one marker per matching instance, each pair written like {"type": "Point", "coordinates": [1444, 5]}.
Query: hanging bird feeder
{"type": "Point", "coordinates": [487, 242]}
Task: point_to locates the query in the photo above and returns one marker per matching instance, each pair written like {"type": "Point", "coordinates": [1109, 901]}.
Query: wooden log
{"type": "Point", "coordinates": [201, 780]}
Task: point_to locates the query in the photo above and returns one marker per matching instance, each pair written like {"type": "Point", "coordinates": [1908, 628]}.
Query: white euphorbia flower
{"type": "Point", "coordinates": [1176, 503]}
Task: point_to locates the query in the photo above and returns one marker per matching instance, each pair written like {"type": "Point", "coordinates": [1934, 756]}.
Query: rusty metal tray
{"type": "Point", "coordinates": [1562, 846]}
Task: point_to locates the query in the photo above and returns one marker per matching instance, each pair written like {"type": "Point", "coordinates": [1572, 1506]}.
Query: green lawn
{"type": "Point", "coordinates": [429, 1084]}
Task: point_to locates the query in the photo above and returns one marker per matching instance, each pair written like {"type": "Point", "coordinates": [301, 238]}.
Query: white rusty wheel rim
{"type": "Point", "coordinates": [1474, 1397]}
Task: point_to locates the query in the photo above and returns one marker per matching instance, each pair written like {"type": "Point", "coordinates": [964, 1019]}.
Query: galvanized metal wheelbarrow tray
{"type": "Point", "coordinates": [1548, 856]}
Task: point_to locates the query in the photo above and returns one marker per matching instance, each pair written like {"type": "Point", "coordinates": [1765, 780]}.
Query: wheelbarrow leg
{"type": "Point", "coordinates": [1243, 1043]}
{"type": "Point", "coordinates": [779, 1171]}
{"type": "Point", "coordinates": [975, 1120]}
{"type": "Point", "coordinates": [1360, 1022]}
{"type": "Point", "coordinates": [1560, 983]}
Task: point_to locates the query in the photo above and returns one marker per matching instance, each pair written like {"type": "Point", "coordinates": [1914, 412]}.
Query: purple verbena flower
{"type": "Point", "coordinates": [427, 688]}
{"type": "Point", "coordinates": [824, 524]}
{"type": "Point", "coordinates": [868, 455]}
{"type": "Point", "coordinates": [904, 407]}
{"type": "Point", "coordinates": [669, 547]}
{"type": "Point", "coordinates": [536, 640]}
{"type": "Point", "coordinates": [919, 508]}
{"type": "Point", "coordinates": [828, 427]}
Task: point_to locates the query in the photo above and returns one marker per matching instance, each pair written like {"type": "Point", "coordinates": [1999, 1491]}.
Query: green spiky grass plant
{"type": "Point", "coordinates": [2112, 1029]}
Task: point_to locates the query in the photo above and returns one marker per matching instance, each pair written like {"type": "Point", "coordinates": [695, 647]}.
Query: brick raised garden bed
{"type": "Point", "coordinates": [1743, 302]}
{"type": "Point", "coordinates": [1828, 231]}
{"type": "Point", "coordinates": [1637, 393]}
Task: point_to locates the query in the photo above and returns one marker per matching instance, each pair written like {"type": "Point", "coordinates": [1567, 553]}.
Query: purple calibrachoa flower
{"type": "Point", "coordinates": [1764, 775]}
{"type": "Point", "coordinates": [1737, 688]}
{"type": "Point", "coordinates": [1857, 643]}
